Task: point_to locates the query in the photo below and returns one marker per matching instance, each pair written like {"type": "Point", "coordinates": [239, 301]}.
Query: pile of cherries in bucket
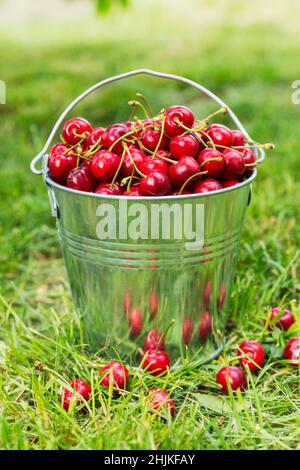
{"type": "Point", "coordinates": [155, 361]}
{"type": "Point", "coordinates": [170, 153]}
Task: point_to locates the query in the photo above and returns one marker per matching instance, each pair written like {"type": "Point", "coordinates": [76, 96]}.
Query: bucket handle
{"type": "Point", "coordinates": [130, 74]}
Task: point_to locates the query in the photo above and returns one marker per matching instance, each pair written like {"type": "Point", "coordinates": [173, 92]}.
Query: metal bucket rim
{"type": "Point", "coordinates": [248, 181]}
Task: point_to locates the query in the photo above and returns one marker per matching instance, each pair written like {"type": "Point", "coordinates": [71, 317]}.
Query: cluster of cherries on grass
{"type": "Point", "coordinates": [155, 361]}
{"type": "Point", "coordinates": [166, 154]}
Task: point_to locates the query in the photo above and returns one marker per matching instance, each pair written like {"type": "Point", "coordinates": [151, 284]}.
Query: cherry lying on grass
{"type": "Point", "coordinates": [79, 388]}
{"type": "Point", "coordinates": [231, 377]}
{"type": "Point", "coordinates": [116, 374]}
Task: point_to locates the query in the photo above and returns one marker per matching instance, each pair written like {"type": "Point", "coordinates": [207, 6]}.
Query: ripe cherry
{"type": "Point", "coordinates": [135, 321]}
{"type": "Point", "coordinates": [94, 138]}
{"type": "Point", "coordinates": [58, 148]}
{"type": "Point", "coordinates": [155, 362]}
{"type": "Point", "coordinates": [154, 164]}
{"type": "Point", "coordinates": [60, 165]}
{"type": "Point", "coordinates": [249, 159]}
{"type": "Point", "coordinates": [151, 137]}
{"type": "Point", "coordinates": [238, 138]}
{"type": "Point", "coordinates": [229, 183]}
{"type": "Point", "coordinates": [133, 191]}
{"type": "Point", "coordinates": [234, 166]}
{"type": "Point", "coordinates": [155, 184]}
{"type": "Point", "coordinates": [104, 165]}
{"type": "Point", "coordinates": [184, 169]}
{"type": "Point", "coordinates": [284, 318]}
{"type": "Point", "coordinates": [291, 351]}
{"type": "Point", "coordinates": [205, 325]}
{"type": "Point", "coordinates": [220, 135]}
{"type": "Point", "coordinates": [184, 146]}
{"type": "Point", "coordinates": [75, 130]}
{"type": "Point", "coordinates": [116, 373]}
{"type": "Point", "coordinates": [138, 157]}
{"type": "Point", "coordinates": [212, 161]}
{"type": "Point", "coordinates": [187, 330]}
{"type": "Point", "coordinates": [253, 354]}
{"type": "Point", "coordinates": [207, 185]}
{"type": "Point", "coordinates": [154, 341]}
{"type": "Point", "coordinates": [159, 401]}
{"type": "Point", "coordinates": [79, 387]}
{"type": "Point", "coordinates": [110, 189]}
{"type": "Point", "coordinates": [82, 179]}
{"type": "Point", "coordinates": [231, 377]}
{"type": "Point", "coordinates": [153, 304]}
{"type": "Point", "coordinates": [176, 115]}
{"type": "Point", "coordinates": [207, 292]}
{"type": "Point", "coordinates": [113, 133]}
{"type": "Point", "coordinates": [222, 296]}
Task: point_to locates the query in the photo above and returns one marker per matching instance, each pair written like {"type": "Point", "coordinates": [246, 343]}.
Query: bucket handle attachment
{"type": "Point", "coordinates": [90, 90]}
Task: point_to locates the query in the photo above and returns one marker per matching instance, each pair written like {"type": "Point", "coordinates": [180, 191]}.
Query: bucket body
{"type": "Point", "coordinates": [124, 286]}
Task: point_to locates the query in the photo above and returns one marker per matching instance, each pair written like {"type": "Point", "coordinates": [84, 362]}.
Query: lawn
{"type": "Point", "coordinates": [248, 55]}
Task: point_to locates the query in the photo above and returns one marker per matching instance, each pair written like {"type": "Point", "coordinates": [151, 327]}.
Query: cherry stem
{"type": "Point", "coordinates": [83, 136]}
{"type": "Point", "coordinates": [147, 104]}
{"type": "Point", "coordinates": [214, 159]}
{"type": "Point", "coordinates": [222, 110]}
{"type": "Point", "coordinates": [142, 147]}
{"type": "Point", "coordinates": [164, 333]}
{"type": "Point", "coordinates": [195, 132]}
{"type": "Point", "coordinates": [161, 135]}
{"type": "Point", "coordinates": [200, 173]}
{"type": "Point", "coordinates": [132, 112]}
{"type": "Point", "coordinates": [250, 164]}
{"type": "Point", "coordinates": [121, 138]}
{"type": "Point", "coordinates": [118, 170]}
{"type": "Point", "coordinates": [132, 161]}
{"type": "Point", "coordinates": [127, 178]}
{"type": "Point", "coordinates": [136, 104]}
{"type": "Point", "coordinates": [74, 146]}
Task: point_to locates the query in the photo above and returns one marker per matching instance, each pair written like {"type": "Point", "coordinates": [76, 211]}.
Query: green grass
{"type": "Point", "coordinates": [249, 57]}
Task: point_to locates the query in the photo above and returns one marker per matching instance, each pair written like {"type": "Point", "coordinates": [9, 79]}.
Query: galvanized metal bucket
{"type": "Point", "coordinates": [178, 281]}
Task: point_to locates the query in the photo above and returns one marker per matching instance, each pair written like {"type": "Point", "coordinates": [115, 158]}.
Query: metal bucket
{"type": "Point", "coordinates": [177, 280]}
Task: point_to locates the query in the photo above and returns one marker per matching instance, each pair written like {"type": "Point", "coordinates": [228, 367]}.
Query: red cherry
{"type": "Point", "coordinates": [220, 135]}
{"type": "Point", "coordinates": [108, 188]}
{"type": "Point", "coordinates": [127, 302]}
{"type": "Point", "coordinates": [80, 387]}
{"type": "Point", "coordinates": [134, 191]}
{"type": "Point", "coordinates": [178, 113]}
{"type": "Point", "coordinates": [113, 133]}
{"type": "Point", "coordinates": [249, 159]}
{"type": "Point", "coordinates": [153, 341]}
{"type": "Point", "coordinates": [138, 158]}
{"type": "Point", "coordinates": [104, 165]}
{"type": "Point", "coordinates": [60, 165]}
{"type": "Point", "coordinates": [159, 400]}
{"type": "Point", "coordinates": [154, 164]}
{"type": "Point", "coordinates": [136, 321]}
{"type": "Point", "coordinates": [284, 318]}
{"type": "Point", "coordinates": [234, 166]}
{"type": "Point", "coordinates": [212, 161]}
{"type": "Point", "coordinates": [222, 295]}
{"type": "Point", "coordinates": [184, 146]}
{"type": "Point", "coordinates": [163, 153]}
{"type": "Point", "coordinates": [232, 376]}
{"type": "Point", "coordinates": [253, 354]}
{"type": "Point", "coordinates": [155, 184]}
{"type": "Point", "coordinates": [229, 183]}
{"type": "Point", "coordinates": [238, 139]}
{"type": "Point", "coordinates": [155, 362]}
{"type": "Point", "coordinates": [75, 129]}
{"type": "Point", "coordinates": [207, 292]}
{"type": "Point", "coordinates": [291, 351]}
{"type": "Point", "coordinates": [117, 373]}
{"type": "Point", "coordinates": [151, 137]}
{"type": "Point", "coordinates": [94, 137]}
{"type": "Point", "coordinates": [187, 330]}
{"type": "Point", "coordinates": [205, 325]}
{"type": "Point", "coordinates": [207, 185]}
{"type": "Point", "coordinates": [182, 170]}
{"type": "Point", "coordinates": [82, 179]}
{"type": "Point", "coordinates": [58, 148]}
{"type": "Point", "coordinates": [153, 304]}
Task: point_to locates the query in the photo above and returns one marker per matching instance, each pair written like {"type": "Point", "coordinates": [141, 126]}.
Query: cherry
{"type": "Point", "coordinates": [153, 304]}
{"type": "Point", "coordinates": [222, 295]}
{"type": "Point", "coordinates": [212, 161]}
{"type": "Point", "coordinates": [229, 183]}
{"type": "Point", "coordinates": [238, 139]}
{"type": "Point", "coordinates": [138, 157]}
{"type": "Point", "coordinates": [154, 341]}
{"type": "Point", "coordinates": [151, 137]}
{"type": "Point", "coordinates": [205, 325]}
{"type": "Point", "coordinates": [159, 400]}
{"type": "Point", "coordinates": [60, 165]}
{"type": "Point", "coordinates": [176, 115]}
{"type": "Point", "coordinates": [182, 170]}
{"type": "Point", "coordinates": [75, 130]}
{"type": "Point", "coordinates": [155, 362]}
{"type": "Point", "coordinates": [234, 166]}
{"type": "Point", "coordinates": [184, 145]}
{"type": "Point", "coordinates": [113, 133]}
{"type": "Point", "coordinates": [253, 354]}
{"type": "Point", "coordinates": [155, 184]}
{"type": "Point", "coordinates": [58, 148]}
{"type": "Point", "coordinates": [163, 154]}
{"type": "Point", "coordinates": [231, 377]}
{"type": "Point", "coordinates": [82, 179]}
{"type": "Point", "coordinates": [116, 373]}
{"type": "Point", "coordinates": [79, 387]}
{"type": "Point", "coordinates": [136, 321]}
{"type": "Point", "coordinates": [207, 185]}
{"type": "Point", "coordinates": [134, 191]}
{"type": "Point", "coordinates": [94, 138]}
{"type": "Point", "coordinates": [207, 292]}
{"type": "Point", "coordinates": [154, 164]}
{"type": "Point", "coordinates": [220, 135]}
{"type": "Point", "coordinates": [108, 188]}
{"type": "Point", "coordinates": [104, 165]}
{"type": "Point", "coordinates": [187, 330]}
{"type": "Point", "coordinates": [127, 302]}
{"type": "Point", "coordinates": [284, 318]}
{"type": "Point", "coordinates": [249, 159]}
{"type": "Point", "coordinates": [291, 351]}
